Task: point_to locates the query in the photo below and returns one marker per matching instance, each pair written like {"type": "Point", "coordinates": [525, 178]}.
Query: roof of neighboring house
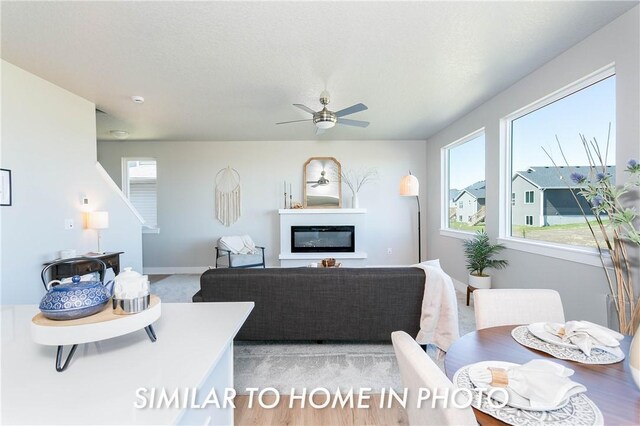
{"type": "Point", "coordinates": [453, 194]}
{"type": "Point", "coordinates": [476, 190]}
{"type": "Point", "coordinates": [549, 177]}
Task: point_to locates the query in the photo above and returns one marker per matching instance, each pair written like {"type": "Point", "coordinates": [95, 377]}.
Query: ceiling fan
{"type": "Point", "coordinates": [325, 119]}
{"type": "Point", "coordinates": [322, 181]}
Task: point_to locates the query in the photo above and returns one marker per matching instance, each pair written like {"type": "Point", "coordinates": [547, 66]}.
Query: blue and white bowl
{"type": "Point", "coordinates": [76, 299]}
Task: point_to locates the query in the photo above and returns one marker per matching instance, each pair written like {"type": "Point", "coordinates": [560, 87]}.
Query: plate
{"type": "Point", "coordinates": [538, 330]}
{"type": "Point", "coordinates": [514, 400]}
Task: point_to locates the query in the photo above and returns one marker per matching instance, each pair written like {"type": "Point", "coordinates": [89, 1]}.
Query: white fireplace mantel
{"type": "Point", "coordinates": [322, 211]}
{"type": "Point", "coordinates": [310, 217]}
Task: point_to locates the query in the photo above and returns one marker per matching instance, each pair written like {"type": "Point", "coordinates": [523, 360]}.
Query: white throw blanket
{"type": "Point", "coordinates": [439, 318]}
{"type": "Point", "coordinates": [242, 244]}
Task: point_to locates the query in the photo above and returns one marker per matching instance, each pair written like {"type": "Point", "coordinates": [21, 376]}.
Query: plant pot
{"type": "Point", "coordinates": [634, 358]}
{"type": "Point", "coordinates": [477, 281]}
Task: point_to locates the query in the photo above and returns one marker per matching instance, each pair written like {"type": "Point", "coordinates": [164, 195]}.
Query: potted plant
{"type": "Point", "coordinates": [479, 252]}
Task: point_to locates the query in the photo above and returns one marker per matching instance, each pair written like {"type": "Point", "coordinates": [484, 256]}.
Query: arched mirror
{"type": "Point", "coordinates": [322, 183]}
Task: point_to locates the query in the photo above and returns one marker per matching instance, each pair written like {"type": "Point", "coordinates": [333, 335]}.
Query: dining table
{"type": "Point", "coordinates": [609, 386]}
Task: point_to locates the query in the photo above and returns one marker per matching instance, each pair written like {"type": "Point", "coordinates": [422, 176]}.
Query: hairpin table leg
{"type": "Point", "coordinates": [59, 366]}
{"type": "Point", "coordinates": [151, 333]}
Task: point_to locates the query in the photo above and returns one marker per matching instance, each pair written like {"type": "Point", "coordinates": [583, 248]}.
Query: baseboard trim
{"type": "Point", "coordinates": [170, 270]}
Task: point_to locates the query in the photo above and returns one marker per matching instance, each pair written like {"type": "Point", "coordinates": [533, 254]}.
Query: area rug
{"type": "Point", "coordinates": [330, 365]}
{"type": "Point", "coordinates": [177, 288]}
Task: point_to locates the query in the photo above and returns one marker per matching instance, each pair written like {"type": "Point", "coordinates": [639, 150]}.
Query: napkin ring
{"type": "Point", "coordinates": [499, 377]}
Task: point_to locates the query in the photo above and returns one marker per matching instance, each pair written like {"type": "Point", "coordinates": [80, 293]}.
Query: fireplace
{"type": "Point", "coordinates": [323, 239]}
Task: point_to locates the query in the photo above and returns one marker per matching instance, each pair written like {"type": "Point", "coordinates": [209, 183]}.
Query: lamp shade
{"type": "Point", "coordinates": [409, 186]}
{"type": "Point", "coordinates": [98, 220]}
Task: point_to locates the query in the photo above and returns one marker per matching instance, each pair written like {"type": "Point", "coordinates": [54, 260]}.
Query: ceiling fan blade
{"type": "Point", "coordinates": [356, 123]}
{"type": "Point", "coordinates": [305, 108]}
{"type": "Point", "coordinates": [294, 121]}
{"type": "Point", "coordinates": [351, 110]}
{"type": "Point", "coordinates": [315, 186]}
{"type": "Point", "coordinates": [319, 131]}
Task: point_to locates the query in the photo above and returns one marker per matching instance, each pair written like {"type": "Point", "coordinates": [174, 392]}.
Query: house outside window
{"type": "Point", "coordinates": [584, 108]}
{"type": "Point", "coordinates": [463, 170]}
{"type": "Point", "coordinates": [528, 197]}
{"type": "Point", "coordinates": [139, 184]}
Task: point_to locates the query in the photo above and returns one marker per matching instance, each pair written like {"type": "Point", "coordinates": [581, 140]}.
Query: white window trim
{"type": "Point", "coordinates": [585, 255]}
{"type": "Point", "coordinates": [444, 185]}
{"type": "Point", "coordinates": [124, 168]}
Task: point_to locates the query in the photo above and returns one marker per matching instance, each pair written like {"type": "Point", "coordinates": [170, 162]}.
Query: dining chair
{"type": "Point", "coordinates": [495, 307]}
{"type": "Point", "coordinates": [417, 371]}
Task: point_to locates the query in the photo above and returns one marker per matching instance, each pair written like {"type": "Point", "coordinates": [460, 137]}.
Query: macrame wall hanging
{"type": "Point", "coordinates": [228, 196]}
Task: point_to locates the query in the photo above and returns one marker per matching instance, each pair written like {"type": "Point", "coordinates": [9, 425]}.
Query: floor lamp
{"type": "Point", "coordinates": [410, 187]}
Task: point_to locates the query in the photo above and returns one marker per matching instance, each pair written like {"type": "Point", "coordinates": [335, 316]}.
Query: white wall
{"type": "Point", "coordinates": [49, 143]}
{"type": "Point", "coordinates": [186, 172]}
{"type": "Point", "coordinates": [583, 288]}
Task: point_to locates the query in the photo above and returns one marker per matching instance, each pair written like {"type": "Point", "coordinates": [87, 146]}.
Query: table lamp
{"type": "Point", "coordinates": [410, 187]}
{"type": "Point", "coordinates": [98, 221]}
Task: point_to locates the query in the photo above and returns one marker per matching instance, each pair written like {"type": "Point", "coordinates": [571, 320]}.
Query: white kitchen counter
{"type": "Point", "coordinates": [194, 350]}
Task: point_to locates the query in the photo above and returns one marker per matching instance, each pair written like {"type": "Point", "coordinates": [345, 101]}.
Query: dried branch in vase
{"type": "Point", "coordinates": [614, 228]}
{"type": "Point", "coordinates": [356, 179]}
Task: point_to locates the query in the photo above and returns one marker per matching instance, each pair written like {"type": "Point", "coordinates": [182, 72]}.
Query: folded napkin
{"type": "Point", "coordinates": [543, 383]}
{"type": "Point", "coordinates": [586, 335]}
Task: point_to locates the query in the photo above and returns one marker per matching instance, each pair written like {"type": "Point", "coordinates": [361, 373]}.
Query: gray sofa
{"type": "Point", "coordinates": [342, 304]}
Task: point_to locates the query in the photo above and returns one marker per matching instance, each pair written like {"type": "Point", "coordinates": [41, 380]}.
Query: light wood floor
{"type": "Point", "coordinates": [283, 415]}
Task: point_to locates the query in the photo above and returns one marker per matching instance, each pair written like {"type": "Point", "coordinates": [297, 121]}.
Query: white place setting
{"type": "Point", "coordinates": [579, 341]}
{"type": "Point", "coordinates": [537, 392]}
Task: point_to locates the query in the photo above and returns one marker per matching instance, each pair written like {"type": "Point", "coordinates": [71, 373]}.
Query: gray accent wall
{"type": "Point", "coordinates": [186, 175]}
{"type": "Point", "coordinates": [583, 288]}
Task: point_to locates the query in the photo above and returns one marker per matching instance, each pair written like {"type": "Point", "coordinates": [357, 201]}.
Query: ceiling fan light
{"type": "Point", "coordinates": [119, 134]}
{"type": "Point", "coordinates": [325, 124]}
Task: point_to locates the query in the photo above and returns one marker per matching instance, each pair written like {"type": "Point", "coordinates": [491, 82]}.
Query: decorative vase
{"type": "Point", "coordinates": [354, 201]}
{"type": "Point", "coordinates": [634, 358]}
{"type": "Point", "coordinates": [477, 281]}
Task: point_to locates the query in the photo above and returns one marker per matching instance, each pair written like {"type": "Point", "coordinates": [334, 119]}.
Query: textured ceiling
{"type": "Point", "coordinates": [230, 70]}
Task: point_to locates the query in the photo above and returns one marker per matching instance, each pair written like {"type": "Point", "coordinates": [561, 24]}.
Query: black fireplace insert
{"type": "Point", "coordinates": [323, 239]}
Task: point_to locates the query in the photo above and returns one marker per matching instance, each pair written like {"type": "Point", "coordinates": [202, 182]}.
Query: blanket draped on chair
{"type": "Point", "coordinates": [439, 319]}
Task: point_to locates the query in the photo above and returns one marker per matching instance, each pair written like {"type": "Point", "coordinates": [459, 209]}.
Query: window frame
{"type": "Point", "coordinates": [579, 254]}
{"type": "Point", "coordinates": [146, 229]}
{"type": "Point", "coordinates": [444, 184]}
{"type": "Point", "coordinates": [533, 197]}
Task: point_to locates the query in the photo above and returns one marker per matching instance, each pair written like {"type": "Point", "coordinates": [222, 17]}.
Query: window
{"type": "Point", "coordinates": [528, 197]}
{"type": "Point", "coordinates": [139, 184]}
{"type": "Point", "coordinates": [463, 179]}
{"type": "Point", "coordinates": [585, 108]}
